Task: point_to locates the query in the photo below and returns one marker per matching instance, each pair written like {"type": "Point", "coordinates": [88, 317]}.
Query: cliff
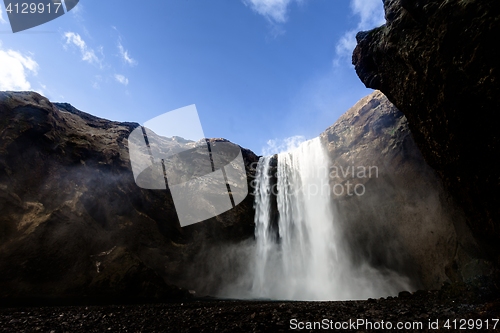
{"type": "Point", "coordinates": [437, 61]}
{"type": "Point", "coordinates": [393, 209]}
{"type": "Point", "coordinates": [73, 222]}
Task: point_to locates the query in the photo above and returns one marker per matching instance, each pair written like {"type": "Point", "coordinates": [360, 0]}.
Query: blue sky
{"type": "Point", "coordinates": [261, 72]}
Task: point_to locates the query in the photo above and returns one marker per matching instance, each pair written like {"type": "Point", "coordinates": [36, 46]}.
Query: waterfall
{"type": "Point", "coordinates": [299, 254]}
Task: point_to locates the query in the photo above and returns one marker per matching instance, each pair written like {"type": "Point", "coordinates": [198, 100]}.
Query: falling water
{"type": "Point", "coordinates": [299, 254]}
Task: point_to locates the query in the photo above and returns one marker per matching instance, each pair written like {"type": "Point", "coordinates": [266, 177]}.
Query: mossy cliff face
{"type": "Point", "coordinates": [437, 61]}
{"type": "Point", "coordinates": [74, 223]}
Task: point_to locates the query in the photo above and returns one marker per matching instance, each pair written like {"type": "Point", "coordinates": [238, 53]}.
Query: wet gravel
{"type": "Point", "coordinates": [427, 308]}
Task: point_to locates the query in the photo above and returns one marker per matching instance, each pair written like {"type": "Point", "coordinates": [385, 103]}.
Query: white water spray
{"type": "Point", "coordinates": [301, 257]}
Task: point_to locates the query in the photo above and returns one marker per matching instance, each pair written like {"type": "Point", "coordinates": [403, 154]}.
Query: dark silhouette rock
{"type": "Point", "coordinates": [437, 61]}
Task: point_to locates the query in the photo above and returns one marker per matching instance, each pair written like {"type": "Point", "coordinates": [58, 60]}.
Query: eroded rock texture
{"type": "Point", "coordinates": [73, 222]}
{"type": "Point", "coordinates": [393, 210]}
{"type": "Point", "coordinates": [437, 61]}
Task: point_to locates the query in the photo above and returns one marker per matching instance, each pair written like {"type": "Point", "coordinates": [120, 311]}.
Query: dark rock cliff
{"type": "Point", "coordinates": [73, 222]}
{"type": "Point", "coordinates": [437, 61]}
{"type": "Point", "coordinates": [393, 210]}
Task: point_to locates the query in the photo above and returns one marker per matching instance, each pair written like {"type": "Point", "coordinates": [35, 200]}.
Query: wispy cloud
{"type": "Point", "coordinates": [370, 14]}
{"type": "Point", "coordinates": [277, 146]}
{"type": "Point", "coordinates": [273, 10]}
{"type": "Point", "coordinates": [125, 55]}
{"type": "Point", "coordinates": [96, 83]}
{"type": "Point", "coordinates": [2, 19]}
{"type": "Point", "coordinates": [78, 9]}
{"type": "Point", "coordinates": [87, 53]}
{"type": "Point", "coordinates": [15, 70]}
{"type": "Point", "coordinates": [121, 79]}
{"type": "Point", "coordinates": [78, 12]}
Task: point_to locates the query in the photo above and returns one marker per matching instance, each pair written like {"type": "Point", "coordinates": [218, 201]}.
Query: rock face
{"type": "Point", "coordinates": [392, 206]}
{"type": "Point", "coordinates": [438, 63]}
{"type": "Point", "coordinates": [73, 222]}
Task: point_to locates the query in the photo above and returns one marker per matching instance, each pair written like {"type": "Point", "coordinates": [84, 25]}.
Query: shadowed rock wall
{"type": "Point", "coordinates": [437, 61]}
{"type": "Point", "coordinates": [73, 222]}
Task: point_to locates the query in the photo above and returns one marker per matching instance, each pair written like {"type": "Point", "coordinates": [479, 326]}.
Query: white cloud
{"type": "Point", "coordinates": [121, 79]}
{"type": "Point", "coordinates": [96, 84]}
{"type": "Point", "coordinates": [346, 44]}
{"type": "Point", "coordinates": [15, 70]}
{"type": "Point", "coordinates": [125, 55]}
{"type": "Point", "coordinates": [370, 14]}
{"type": "Point", "coordinates": [42, 90]}
{"type": "Point", "coordinates": [274, 10]}
{"type": "Point", "coordinates": [77, 9]}
{"type": "Point", "coordinates": [88, 54]}
{"type": "Point", "coordinates": [2, 19]}
{"type": "Point", "coordinates": [277, 146]}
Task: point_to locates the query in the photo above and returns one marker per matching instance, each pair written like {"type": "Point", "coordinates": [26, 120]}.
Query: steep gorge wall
{"type": "Point", "coordinates": [437, 61]}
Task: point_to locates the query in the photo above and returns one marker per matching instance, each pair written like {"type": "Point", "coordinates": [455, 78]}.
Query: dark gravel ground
{"type": "Point", "coordinates": [205, 315]}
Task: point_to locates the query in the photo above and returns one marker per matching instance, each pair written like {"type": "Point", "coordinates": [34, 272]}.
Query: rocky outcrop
{"type": "Point", "coordinates": [437, 61]}
{"type": "Point", "coordinates": [393, 210]}
{"type": "Point", "coordinates": [73, 223]}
